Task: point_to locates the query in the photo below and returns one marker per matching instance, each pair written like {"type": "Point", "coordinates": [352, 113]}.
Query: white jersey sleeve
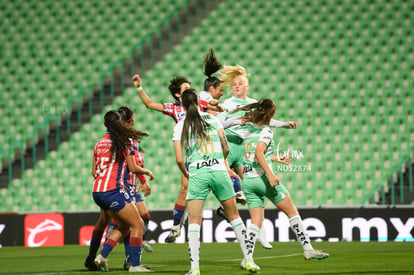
{"type": "Point", "coordinates": [203, 95]}
{"type": "Point", "coordinates": [177, 131]}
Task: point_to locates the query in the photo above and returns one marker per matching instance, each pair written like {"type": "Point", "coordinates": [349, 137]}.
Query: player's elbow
{"type": "Point", "coordinates": [134, 169]}
{"type": "Point", "coordinates": [226, 151]}
{"type": "Point", "coordinates": [179, 162]}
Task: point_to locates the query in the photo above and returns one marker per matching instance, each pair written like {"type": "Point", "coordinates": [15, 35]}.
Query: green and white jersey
{"type": "Point", "coordinates": [233, 103]}
{"type": "Point", "coordinates": [203, 156]}
{"type": "Point", "coordinates": [229, 106]}
{"type": "Point", "coordinates": [252, 135]}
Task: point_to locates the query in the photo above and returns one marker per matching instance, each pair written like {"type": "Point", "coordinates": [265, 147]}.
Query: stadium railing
{"type": "Point", "coordinates": [396, 177]}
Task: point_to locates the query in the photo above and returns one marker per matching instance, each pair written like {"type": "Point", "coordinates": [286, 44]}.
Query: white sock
{"type": "Point", "coordinates": [252, 234]}
{"type": "Point", "coordinates": [262, 234]}
{"type": "Point", "coordinates": [241, 235]}
{"type": "Point", "coordinates": [297, 226]}
{"type": "Point", "coordinates": [194, 244]}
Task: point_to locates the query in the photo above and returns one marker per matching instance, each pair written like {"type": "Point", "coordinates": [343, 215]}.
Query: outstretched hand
{"type": "Point", "coordinates": [292, 125]}
{"type": "Point", "coordinates": [146, 189]}
{"type": "Point", "coordinates": [137, 80]}
{"type": "Point", "coordinates": [150, 175]}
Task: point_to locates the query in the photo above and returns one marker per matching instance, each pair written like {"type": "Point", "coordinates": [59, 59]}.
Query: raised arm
{"type": "Point", "coordinates": [282, 124]}
{"type": "Point", "coordinates": [144, 97]}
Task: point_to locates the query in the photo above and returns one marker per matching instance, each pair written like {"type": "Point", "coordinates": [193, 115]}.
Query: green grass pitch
{"type": "Point", "coordinates": [221, 258]}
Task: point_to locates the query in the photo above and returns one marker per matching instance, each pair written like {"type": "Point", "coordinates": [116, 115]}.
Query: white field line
{"type": "Point", "coordinates": [267, 257]}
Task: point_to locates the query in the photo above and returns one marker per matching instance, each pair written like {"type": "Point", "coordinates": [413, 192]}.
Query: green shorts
{"type": "Point", "coordinates": [257, 188]}
{"type": "Point", "coordinates": [235, 157]}
{"type": "Point", "coordinates": [218, 181]}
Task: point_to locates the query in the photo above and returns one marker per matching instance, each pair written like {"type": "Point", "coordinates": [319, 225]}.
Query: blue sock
{"type": "Point", "coordinates": [136, 251]}
{"type": "Point", "coordinates": [95, 243]}
{"type": "Point", "coordinates": [236, 183]}
{"type": "Point", "coordinates": [178, 213]}
{"type": "Point", "coordinates": [127, 247]}
{"type": "Point", "coordinates": [111, 227]}
{"type": "Point", "coordinates": [107, 248]}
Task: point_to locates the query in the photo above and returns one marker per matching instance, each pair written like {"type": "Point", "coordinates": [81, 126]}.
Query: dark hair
{"type": "Point", "coordinates": [260, 112]}
{"type": "Point", "coordinates": [192, 119]}
{"type": "Point", "coordinates": [126, 112]}
{"type": "Point", "coordinates": [211, 65]}
{"type": "Point", "coordinates": [120, 132]}
{"type": "Point", "coordinates": [175, 84]}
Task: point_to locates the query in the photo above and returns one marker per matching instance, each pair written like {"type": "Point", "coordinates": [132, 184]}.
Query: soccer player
{"type": "Point", "coordinates": [237, 79]}
{"type": "Point", "coordinates": [127, 114]}
{"type": "Point", "coordinates": [259, 180]}
{"type": "Point", "coordinates": [202, 137]}
{"type": "Point", "coordinates": [177, 112]}
{"type": "Point", "coordinates": [113, 160]}
{"type": "Point", "coordinates": [213, 90]}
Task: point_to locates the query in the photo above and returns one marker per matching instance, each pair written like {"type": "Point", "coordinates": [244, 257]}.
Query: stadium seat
{"type": "Point", "coordinates": [350, 93]}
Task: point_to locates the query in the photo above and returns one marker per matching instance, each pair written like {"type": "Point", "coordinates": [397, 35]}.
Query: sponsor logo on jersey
{"type": "Point", "coordinates": [207, 163]}
{"type": "Point", "coordinates": [43, 230]}
{"type": "Point", "coordinates": [207, 116]}
{"type": "Point", "coordinates": [247, 169]}
{"type": "Point", "coordinates": [180, 116]}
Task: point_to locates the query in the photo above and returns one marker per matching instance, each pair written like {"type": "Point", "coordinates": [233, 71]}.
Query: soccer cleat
{"type": "Point", "coordinates": [243, 264]}
{"type": "Point", "coordinates": [139, 268]}
{"type": "Point", "coordinates": [251, 266]}
{"type": "Point", "coordinates": [240, 198]}
{"type": "Point", "coordinates": [315, 254]}
{"type": "Point", "coordinates": [194, 271]}
{"type": "Point", "coordinates": [265, 244]}
{"type": "Point", "coordinates": [175, 232]}
{"type": "Point", "coordinates": [147, 247]}
{"type": "Point", "coordinates": [127, 263]}
{"type": "Point", "coordinates": [90, 264]}
{"type": "Point", "coordinates": [101, 263]}
{"type": "Point", "coordinates": [220, 212]}
{"type": "Point", "coordinates": [262, 238]}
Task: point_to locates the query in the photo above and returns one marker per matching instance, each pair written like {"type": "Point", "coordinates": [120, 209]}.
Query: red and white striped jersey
{"type": "Point", "coordinates": [112, 172]}
{"type": "Point", "coordinates": [177, 111]}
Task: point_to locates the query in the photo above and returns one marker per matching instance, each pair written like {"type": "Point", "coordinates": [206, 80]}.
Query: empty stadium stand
{"type": "Point", "coordinates": [343, 70]}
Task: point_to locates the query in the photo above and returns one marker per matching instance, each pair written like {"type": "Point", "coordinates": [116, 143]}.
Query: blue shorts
{"type": "Point", "coordinates": [114, 199]}
{"type": "Point", "coordinates": [135, 195]}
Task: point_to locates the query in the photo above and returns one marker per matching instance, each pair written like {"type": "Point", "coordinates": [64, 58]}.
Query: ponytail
{"type": "Point", "coordinates": [192, 119]}
{"type": "Point", "coordinates": [120, 132]}
{"type": "Point", "coordinates": [211, 66]}
{"type": "Point", "coordinates": [260, 112]}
